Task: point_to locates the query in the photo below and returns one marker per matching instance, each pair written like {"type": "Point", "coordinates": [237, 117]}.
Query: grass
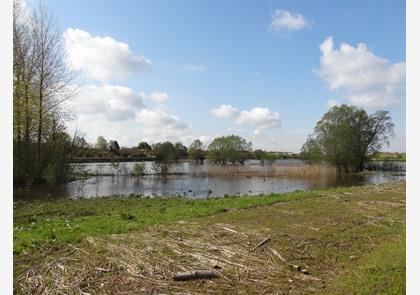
{"type": "Point", "coordinates": [68, 221]}
{"type": "Point", "coordinates": [271, 170]}
{"type": "Point", "coordinates": [335, 241]}
{"type": "Point", "coordinates": [379, 272]}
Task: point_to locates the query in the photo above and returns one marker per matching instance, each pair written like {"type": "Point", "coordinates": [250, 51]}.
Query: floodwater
{"type": "Point", "coordinates": [206, 180]}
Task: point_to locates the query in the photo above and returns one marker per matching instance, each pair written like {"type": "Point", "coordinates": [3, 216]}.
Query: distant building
{"type": "Point", "coordinates": [113, 146]}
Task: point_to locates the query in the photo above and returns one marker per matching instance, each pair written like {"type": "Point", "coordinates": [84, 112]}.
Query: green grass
{"type": "Point", "coordinates": [380, 272]}
{"type": "Point", "coordinates": [350, 239]}
{"type": "Point", "coordinates": [68, 221]}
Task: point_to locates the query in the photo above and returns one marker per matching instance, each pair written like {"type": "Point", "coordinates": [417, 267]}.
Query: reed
{"type": "Point", "coordinates": [296, 171]}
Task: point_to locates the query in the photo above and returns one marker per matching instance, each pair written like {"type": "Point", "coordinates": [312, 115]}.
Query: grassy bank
{"type": "Point", "coordinates": [335, 241]}
{"type": "Point", "coordinates": [67, 221]}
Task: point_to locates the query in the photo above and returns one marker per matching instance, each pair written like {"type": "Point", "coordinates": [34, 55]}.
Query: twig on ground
{"type": "Point", "coordinates": [261, 243]}
{"type": "Point", "coordinates": [193, 275]}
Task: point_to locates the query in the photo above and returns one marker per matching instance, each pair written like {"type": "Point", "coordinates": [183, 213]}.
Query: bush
{"type": "Point", "coordinates": [139, 169]}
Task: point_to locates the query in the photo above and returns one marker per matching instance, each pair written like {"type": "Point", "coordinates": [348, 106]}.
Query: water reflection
{"type": "Point", "coordinates": [192, 184]}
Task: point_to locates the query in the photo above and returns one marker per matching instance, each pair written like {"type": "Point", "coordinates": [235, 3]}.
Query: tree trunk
{"type": "Point", "coordinates": [40, 119]}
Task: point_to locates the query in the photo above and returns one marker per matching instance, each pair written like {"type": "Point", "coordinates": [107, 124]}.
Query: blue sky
{"type": "Point", "coordinates": [182, 60]}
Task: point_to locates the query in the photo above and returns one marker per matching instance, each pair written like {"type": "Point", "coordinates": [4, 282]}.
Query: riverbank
{"type": "Point", "coordinates": [323, 241]}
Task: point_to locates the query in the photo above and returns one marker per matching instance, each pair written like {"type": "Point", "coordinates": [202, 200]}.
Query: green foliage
{"type": "Point", "coordinates": [165, 151]}
{"type": "Point", "coordinates": [181, 150]}
{"type": "Point", "coordinates": [101, 144]}
{"type": "Point", "coordinates": [165, 154]}
{"type": "Point", "coordinates": [346, 136]}
{"type": "Point", "coordinates": [139, 169]}
{"type": "Point", "coordinates": [161, 167]}
{"type": "Point", "coordinates": [144, 146]}
{"type": "Point", "coordinates": [196, 151]}
{"type": "Point", "coordinates": [266, 157]}
{"type": "Point", "coordinates": [40, 143]}
{"type": "Point", "coordinates": [225, 149]}
{"type": "Point", "coordinates": [259, 154]}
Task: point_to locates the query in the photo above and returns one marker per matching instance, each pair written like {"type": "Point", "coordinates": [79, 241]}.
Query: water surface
{"type": "Point", "coordinates": [207, 180]}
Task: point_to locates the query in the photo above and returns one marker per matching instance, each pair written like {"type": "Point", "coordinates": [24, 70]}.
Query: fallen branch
{"type": "Point", "coordinates": [263, 242]}
{"type": "Point", "coordinates": [194, 275]}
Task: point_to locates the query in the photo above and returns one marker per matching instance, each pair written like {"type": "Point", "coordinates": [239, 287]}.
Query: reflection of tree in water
{"type": "Point", "coordinates": [82, 175]}
{"type": "Point", "coordinates": [349, 179]}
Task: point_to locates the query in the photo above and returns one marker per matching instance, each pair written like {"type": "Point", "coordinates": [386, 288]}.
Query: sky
{"type": "Point", "coordinates": [265, 70]}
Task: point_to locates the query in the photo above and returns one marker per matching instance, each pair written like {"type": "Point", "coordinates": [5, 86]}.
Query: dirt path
{"type": "Point", "coordinates": [313, 243]}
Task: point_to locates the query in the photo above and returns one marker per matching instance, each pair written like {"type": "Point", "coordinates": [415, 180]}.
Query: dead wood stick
{"type": "Point", "coordinates": [193, 275]}
{"type": "Point", "coordinates": [229, 229]}
{"type": "Point", "coordinates": [262, 243]}
{"type": "Point", "coordinates": [278, 255]}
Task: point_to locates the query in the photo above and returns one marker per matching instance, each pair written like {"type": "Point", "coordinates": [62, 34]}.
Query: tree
{"type": "Point", "coordinates": [101, 143]}
{"type": "Point", "coordinates": [233, 149]}
{"type": "Point", "coordinates": [181, 151]}
{"type": "Point", "coordinates": [346, 136]}
{"type": "Point", "coordinates": [165, 154]}
{"type": "Point", "coordinates": [144, 146]}
{"type": "Point", "coordinates": [196, 151]}
{"type": "Point", "coordinates": [259, 154]}
{"type": "Point", "coordinates": [41, 83]}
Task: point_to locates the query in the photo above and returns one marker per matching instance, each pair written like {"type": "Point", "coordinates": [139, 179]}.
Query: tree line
{"type": "Point", "coordinates": [40, 86]}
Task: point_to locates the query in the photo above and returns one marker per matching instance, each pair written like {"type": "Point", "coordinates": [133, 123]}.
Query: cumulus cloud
{"type": "Point", "coordinates": [161, 119]}
{"type": "Point", "coordinates": [159, 96]}
{"type": "Point", "coordinates": [101, 58]}
{"type": "Point", "coordinates": [285, 21]}
{"type": "Point", "coordinates": [364, 78]}
{"type": "Point", "coordinates": [260, 117]}
{"type": "Point", "coordinates": [225, 111]}
{"type": "Point", "coordinates": [115, 103]}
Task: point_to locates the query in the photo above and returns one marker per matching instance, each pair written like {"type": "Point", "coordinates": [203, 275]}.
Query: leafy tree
{"type": "Point", "coordinates": [196, 151]}
{"type": "Point", "coordinates": [165, 154]}
{"type": "Point", "coordinates": [346, 136]}
{"type": "Point", "coordinates": [41, 83]}
{"type": "Point", "coordinates": [259, 154]}
{"type": "Point", "coordinates": [144, 146]}
{"type": "Point", "coordinates": [233, 149]}
{"type": "Point", "coordinates": [139, 169]}
{"type": "Point", "coordinates": [101, 143]}
{"type": "Point", "coordinates": [181, 151]}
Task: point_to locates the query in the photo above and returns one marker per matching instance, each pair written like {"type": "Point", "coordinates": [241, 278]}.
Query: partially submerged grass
{"type": "Point", "coordinates": [337, 241]}
{"type": "Point", "coordinates": [269, 170]}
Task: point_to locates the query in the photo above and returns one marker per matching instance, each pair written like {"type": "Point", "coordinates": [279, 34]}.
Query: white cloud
{"type": "Point", "coordinates": [160, 119]}
{"type": "Point", "coordinates": [262, 118]}
{"type": "Point", "coordinates": [115, 103]}
{"type": "Point", "coordinates": [159, 96]}
{"type": "Point", "coordinates": [285, 21]}
{"type": "Point", "coordinates": [225, 111]}
{"type": "Point", "coordinates": [101, 58]}
{"type": "Point", "coordinates": [364, 78]}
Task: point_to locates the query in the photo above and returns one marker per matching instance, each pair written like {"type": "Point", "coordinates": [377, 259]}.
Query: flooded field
{"type": "Point", "coordinates": [207, 180]}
